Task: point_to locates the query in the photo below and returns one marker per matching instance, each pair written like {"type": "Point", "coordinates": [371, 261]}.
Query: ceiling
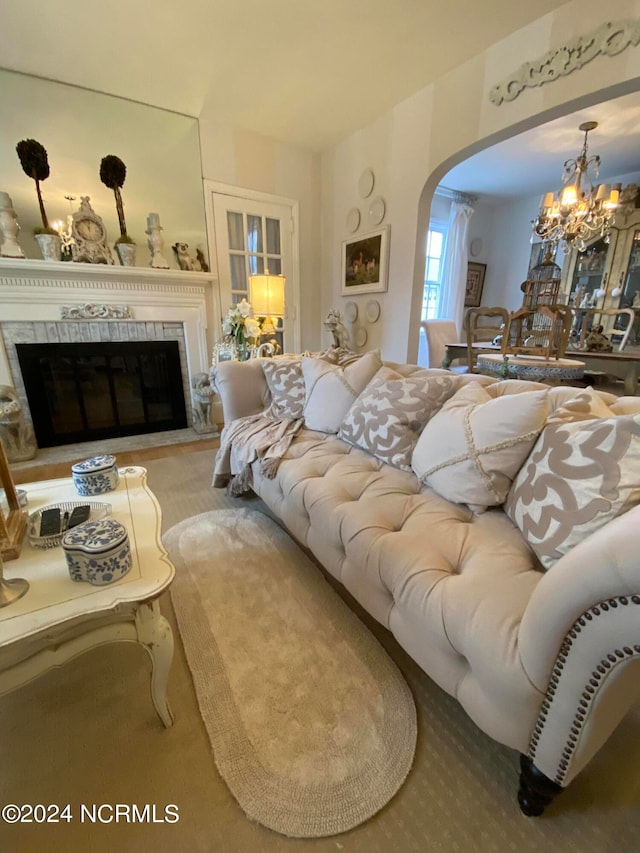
{"type": "Point", "coordinates": [307, 72]}
{"type": "Point", "coordinates": [531, 163]}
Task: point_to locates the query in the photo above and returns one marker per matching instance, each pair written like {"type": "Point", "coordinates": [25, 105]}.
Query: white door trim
{"type": "Point", "coordinates": [211, 187]}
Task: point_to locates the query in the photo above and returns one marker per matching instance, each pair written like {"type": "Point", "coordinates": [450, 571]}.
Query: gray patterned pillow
{"type": "Point", "coordinates": [285, 379]}
{"type": "Point", "coordinates": [391, 412]}
{"type": "Point", "coordinates": [286, 384]}
{"type": "Point", "coordinates": [578, 477]}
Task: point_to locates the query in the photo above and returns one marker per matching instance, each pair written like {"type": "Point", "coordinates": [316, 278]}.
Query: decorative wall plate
{"type": "Point", "coordinates": [361, 337]}
{"type": "Point", "coordinates": [351, 311]}
{"type": "Point", "coordinates": [476, 247]}
{"type": "Point", "coordinates": [365, 183]}
{"type": "Point", "coordinates": [377, 209]}
{"type": "Point", "coordinates": [353, 220]}
{"type": "Point", "coordinates": [372, 310]}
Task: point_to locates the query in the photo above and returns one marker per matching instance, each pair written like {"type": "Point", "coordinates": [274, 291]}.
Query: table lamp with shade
{"type": "Point", "coordinates": [266, 294]}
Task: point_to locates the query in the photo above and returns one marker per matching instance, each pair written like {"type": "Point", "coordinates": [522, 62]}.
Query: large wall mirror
{"type": "Point", "coordinates": [160, 149]}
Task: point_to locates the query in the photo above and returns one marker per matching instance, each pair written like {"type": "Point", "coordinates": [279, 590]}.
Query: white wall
{"type": "Point", "coordinates": [509, 251]}
{"type": "Point", "coordinates": [411, 148]}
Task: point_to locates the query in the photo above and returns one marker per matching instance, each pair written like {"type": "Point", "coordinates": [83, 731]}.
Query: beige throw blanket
{"type": "Point", "coordinates": [246, 440]}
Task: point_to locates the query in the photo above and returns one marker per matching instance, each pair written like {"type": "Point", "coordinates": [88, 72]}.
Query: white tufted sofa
{"type": "Point", "coordinates": [546, 663]}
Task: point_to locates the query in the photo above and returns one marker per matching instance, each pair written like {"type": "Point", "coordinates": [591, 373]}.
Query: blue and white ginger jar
{"type": "Point", "coordinates": [97, 551]}
{"type": "Point", "coordinates": [96, 475]}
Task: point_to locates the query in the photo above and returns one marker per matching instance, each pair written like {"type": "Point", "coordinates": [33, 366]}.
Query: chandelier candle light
{"type": "Point", "coordinates": [579, 212]}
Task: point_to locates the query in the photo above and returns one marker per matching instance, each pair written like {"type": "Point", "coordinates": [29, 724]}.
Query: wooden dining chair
{"type": "Point", "coordinates": [589, 318]}
{"type": "Point", "coordinates": [483, 324]}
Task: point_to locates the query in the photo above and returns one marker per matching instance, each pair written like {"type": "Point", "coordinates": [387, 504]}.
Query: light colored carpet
{"type": "Point", "coordinates": [312, 726]}
{"type": "Point", "coordinates": [88, 733]}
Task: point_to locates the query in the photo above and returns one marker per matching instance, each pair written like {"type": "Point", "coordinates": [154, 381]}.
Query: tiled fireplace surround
{"type": "Point", "coordinates": [165, 305]}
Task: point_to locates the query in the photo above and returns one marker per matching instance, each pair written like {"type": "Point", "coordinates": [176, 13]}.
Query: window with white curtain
{"type": "Point", "coordinates": [434, 256]}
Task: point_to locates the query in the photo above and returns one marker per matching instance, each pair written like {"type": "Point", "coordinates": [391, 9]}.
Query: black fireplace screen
{"type": "Point", "coordinates": [86, 391]}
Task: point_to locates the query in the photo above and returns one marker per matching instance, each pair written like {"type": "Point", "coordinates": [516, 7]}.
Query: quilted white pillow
{"type": "Point", "coordinates": [471, 450]}
{"type": "Point", "coordinates": [331, 389]}
{"type": "Point", "coordinates": [578, 477]}
{"type": "Point", "coordinates": [389, 415]}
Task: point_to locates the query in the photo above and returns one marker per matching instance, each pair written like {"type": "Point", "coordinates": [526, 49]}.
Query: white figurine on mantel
{"type": "Point", "coordinates": [156, 242]}
{"type": "Point", "coordinates": [9, 229]}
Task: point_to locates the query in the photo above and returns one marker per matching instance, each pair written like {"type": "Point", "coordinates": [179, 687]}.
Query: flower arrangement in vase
{"type": "Point", "coordinates": [241, 328]}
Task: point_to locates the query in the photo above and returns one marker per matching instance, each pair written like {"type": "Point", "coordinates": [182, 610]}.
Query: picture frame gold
{"type": "Point", "coordinates": [13, 521]}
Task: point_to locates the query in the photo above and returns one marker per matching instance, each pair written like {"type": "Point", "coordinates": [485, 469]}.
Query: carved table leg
{"type": "Point", "coordinates": [154, 633]}
{"type": "Point", "coordinates": [536, 790]}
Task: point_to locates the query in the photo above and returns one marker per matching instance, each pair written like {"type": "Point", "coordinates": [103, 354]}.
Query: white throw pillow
{"type": "Point", "coordinates": [578, 477]}
{"type": "Point", "coordinates": [391, 412]}
{"type": "Point", "coordinates": [331, 389]}
{"type": "Point", "coordinates": [471, 450]}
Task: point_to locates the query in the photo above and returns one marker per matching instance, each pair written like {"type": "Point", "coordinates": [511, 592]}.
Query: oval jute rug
{"type": "Point", "coordinates": [312, 726]}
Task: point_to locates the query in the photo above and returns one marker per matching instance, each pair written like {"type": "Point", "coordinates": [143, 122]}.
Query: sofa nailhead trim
{"type": "Point", "coordinates": [590, 689]}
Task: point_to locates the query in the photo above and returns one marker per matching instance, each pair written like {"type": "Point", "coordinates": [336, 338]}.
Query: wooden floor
{"type": "Point", "coordinates": [51, 471]}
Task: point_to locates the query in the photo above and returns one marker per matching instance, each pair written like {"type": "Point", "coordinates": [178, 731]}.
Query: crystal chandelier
{"type": "Point", "coordinates": [579, 212]}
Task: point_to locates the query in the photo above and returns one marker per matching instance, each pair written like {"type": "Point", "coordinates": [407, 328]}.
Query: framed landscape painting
{"type": "Point", "coordinates": [364, 263]}
{"type": "Point", "coordinates": [475, 283]}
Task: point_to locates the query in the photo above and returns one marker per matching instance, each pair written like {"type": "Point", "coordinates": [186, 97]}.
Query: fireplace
{"type": "Point", "coordinates": [89, 391]}
{"type": "Point", "coordinates": [95, 304]}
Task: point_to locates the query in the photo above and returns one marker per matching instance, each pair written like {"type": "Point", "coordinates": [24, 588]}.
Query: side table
{"type": "Point", "coordinates": [533, 367]}
{"type": "Point", "coordinates": [59, 619]}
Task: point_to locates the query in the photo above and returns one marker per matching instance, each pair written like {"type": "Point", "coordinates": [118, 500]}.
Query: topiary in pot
{"type": "Point", "coordinates": [112, 174]}
{"type": "Point", "coordinates": [35, 164]}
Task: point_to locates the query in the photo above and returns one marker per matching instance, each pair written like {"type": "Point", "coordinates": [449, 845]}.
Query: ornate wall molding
{"type": "Point", "coordinates": [95, 311]}
{"type": "Point", "coordinates": [609, 39]}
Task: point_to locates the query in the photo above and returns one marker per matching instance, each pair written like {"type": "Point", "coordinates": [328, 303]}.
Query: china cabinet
{"type": "Point", "coordinates": [629, 281]}
{"type": "Point", "coordinates": [606, 275]}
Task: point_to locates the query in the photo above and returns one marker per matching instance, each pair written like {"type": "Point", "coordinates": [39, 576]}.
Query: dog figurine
{"type": "Point", "coordinates": [184, 259]}
{"type": "Point", "coordinates": [597, 342]}
{"type": "Point", "coordinates": [186, 262]}
{"type": "Point", "coordinates": [200, 259]}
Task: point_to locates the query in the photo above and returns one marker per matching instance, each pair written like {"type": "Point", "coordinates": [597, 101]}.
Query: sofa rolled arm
{"type": "Point", "coordinates": [579, 642]}
{"type": "Point", "coordinates": [241, 386]}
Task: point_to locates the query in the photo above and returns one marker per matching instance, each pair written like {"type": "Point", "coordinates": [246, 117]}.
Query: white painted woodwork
{"type": "Point", "coordinates": [59, 619]}
{"type": "Point", "coordinates": [33, 291]}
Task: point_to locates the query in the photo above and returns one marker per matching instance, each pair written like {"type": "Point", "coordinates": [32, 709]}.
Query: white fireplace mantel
{"type": "Point", "coordinates": [34, 291]}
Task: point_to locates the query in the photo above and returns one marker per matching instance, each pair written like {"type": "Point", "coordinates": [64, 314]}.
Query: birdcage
{"type": "Point", "coordinates": [540, 330]}
{"type": "Point", "coordinates": [543, 284]}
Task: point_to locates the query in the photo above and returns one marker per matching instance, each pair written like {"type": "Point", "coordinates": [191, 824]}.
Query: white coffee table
{"type": "Point", "coordinates": [59, 619]}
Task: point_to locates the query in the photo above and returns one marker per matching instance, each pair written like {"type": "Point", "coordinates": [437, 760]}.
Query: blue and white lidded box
{"type": "Point", "coordinates": [97, 551]}
{"type": "Point", "coordinates": [96, 475]}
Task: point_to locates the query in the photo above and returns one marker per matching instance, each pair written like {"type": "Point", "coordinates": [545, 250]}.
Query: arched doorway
{"type": "Point", "coordinates": [561, 120]}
